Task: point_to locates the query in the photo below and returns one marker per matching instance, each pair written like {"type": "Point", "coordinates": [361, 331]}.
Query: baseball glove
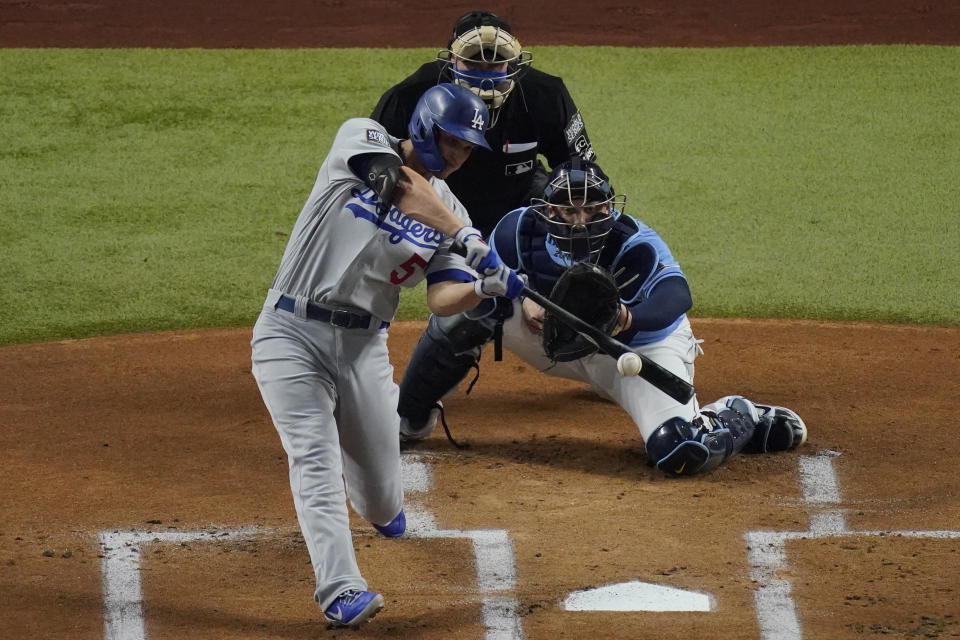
{"type": "Point", "coordinates": [590, 293]}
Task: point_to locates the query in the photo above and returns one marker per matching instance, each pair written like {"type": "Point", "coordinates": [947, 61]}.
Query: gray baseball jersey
{"type": "Point", "coordinates": [338, 255]}
{"type": "Point", "coordinates": [329, 387]}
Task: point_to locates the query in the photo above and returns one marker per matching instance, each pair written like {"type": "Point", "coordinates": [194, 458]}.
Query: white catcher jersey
{"type": "Point", "coordinates": [339, 256]}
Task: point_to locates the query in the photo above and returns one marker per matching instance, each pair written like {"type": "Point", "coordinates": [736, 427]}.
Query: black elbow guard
{"type": "Point", "coordinates": [381, 174]}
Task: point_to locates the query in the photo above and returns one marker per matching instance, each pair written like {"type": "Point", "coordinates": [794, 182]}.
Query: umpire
{"type": "Point", "coordinates": [531, 114]}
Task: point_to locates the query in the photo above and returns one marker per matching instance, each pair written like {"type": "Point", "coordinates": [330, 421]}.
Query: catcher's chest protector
{"type": "Point", "coordinates": [539, 267]}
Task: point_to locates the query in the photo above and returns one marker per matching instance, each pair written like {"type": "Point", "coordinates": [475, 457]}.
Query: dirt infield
{"type": "Point", "coordinates": [165, 433]}
{"type": "Point", "coordinates": [144, 490]}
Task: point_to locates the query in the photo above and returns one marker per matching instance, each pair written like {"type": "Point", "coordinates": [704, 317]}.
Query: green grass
{"type": "Point", "coordinates": [154, 189]}
{"type": "Point", "coordinates": [793, 182]}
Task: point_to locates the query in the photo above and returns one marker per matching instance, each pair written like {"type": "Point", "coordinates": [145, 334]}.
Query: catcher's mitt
{"type": "Point", "coordinates": [588, 292]}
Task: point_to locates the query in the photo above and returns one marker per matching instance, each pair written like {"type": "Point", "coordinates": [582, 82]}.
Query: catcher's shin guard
{"type": "Point", "coordinates": [445, 353]}
{"type": "Point", "coordinates": [722, 429]}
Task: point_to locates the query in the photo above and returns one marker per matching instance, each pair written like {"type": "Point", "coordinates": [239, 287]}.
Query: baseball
{"type": "Point", "coordinates": [628, 364]}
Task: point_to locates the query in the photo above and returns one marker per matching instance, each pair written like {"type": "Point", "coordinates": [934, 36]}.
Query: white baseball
{"type": "Point", "coordinates": [629, 364]}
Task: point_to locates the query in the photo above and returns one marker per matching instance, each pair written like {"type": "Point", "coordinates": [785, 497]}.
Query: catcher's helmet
{"type": "Point", "coordinates": [573, 186]}
{"type": "Point", "coordinates": [452, 109]}
{"type": "Point", "coordinates": [490, 58]}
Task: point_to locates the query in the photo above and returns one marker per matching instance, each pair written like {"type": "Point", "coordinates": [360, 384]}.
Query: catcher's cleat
{"type": "Point", "coordinates": [395, 528]}
{"type": "Point", "coordinates": [741, 405]}
{"type": "Point", "coordinates": [778, 429]}
{"type": "Point", "coordinates": [353, 607]}
{"type": "Point", "coordinates": [414, 432]}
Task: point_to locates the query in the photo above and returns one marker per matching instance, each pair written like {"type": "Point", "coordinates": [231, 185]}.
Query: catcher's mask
{"type": "Point", "coordinates": [450, 108]}
{"type": "Point", "coordinates": [580, 208]}
{"type": "Point", "coordinates": [486, 58]}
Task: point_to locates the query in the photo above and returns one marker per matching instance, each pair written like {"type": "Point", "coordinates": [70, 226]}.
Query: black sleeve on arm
{"type": "Point", "coordinates": [568, 137]}
{"type": "Point", "coordinates": [668, 300]}
{"type": "Point", "coordinates": [380, 172]}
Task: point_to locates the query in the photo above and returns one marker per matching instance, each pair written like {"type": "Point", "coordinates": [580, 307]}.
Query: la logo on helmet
{"type": "Point", "coordinates": [477, 120]}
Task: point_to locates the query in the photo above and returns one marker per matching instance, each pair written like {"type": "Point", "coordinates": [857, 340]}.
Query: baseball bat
{"type": "Point", "coordinates": [664, 380]}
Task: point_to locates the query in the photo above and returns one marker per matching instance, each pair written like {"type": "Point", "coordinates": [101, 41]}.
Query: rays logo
{"type": "Point", "coordinates": [477, 122]}
{"type": "Point", "coordinates": [399, 225]}
{"type": "Point", "coordinates": [558, 257]}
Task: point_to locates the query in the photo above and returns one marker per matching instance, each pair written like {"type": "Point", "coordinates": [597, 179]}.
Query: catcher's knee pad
{"type": "Point", "coordinates": [442, 358]}
{"type": "Point", "coordinates": [680, 447]}
{"type": "Point", "coordinates": [722, 429]}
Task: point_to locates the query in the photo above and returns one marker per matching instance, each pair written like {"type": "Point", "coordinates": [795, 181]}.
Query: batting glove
{"type": "Point", "coordinates": [479, 258]}
{"type": "Point", "coordinates": [502, 283]}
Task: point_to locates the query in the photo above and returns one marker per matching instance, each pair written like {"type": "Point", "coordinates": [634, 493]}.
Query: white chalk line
{"type": "Point", "coordinates": [492, 549]}
{"type": "Point", "coordinates": [122, 588]}
{"type": "Point", "coordinates": [776, 610]}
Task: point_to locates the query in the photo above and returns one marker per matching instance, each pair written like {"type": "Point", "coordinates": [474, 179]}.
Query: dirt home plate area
{"type": "Point", "coordinates": [145, 493]}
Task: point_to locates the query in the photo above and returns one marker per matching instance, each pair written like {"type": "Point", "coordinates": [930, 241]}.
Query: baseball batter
{"type": "Point", "coordinates": [579, 219]}
{"type": "Point", "coordinates": [379, 218]}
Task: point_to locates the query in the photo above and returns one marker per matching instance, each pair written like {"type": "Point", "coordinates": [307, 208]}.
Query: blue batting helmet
{"type": "Point", "coordinates": [450, 108]}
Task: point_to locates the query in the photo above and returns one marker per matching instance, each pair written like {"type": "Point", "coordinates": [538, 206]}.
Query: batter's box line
{"type": "Point", "coordinates": [122, 585]}
{"type": "Point", "coordinates": [776, 610]}
{"type": "Point", "coordinates": [493, 553]}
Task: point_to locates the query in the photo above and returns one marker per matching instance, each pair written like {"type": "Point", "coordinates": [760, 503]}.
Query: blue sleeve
{"type": "Point", "coordinates": [449, 275]}
{"type": "Point", "coordinates": [669, 299]}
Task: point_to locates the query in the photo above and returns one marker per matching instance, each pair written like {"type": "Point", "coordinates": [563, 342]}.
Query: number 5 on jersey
{"type": "Point", "coordinates": [407, 269]}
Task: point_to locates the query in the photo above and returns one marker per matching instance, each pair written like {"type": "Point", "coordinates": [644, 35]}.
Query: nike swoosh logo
{"type": "Point", "coordinates": [336, 616]}
{"type": "Point", "coordinates": [680, 470]}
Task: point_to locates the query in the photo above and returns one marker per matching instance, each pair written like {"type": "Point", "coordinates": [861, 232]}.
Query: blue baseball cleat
{"type": "Point", "coordinates": [353, 607]}
{"type": "Point", "coordinates": [395, 528]}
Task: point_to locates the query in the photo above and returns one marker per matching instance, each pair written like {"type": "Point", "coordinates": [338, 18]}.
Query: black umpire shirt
{"type": "Point", "coordinates": [538, 117]}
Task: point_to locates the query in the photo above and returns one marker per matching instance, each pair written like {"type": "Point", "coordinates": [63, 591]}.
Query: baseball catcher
{"type": "Point", "coordinates": [576, 245]}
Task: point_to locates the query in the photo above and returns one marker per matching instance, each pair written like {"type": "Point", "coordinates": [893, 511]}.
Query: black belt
{"type": "Point", "coordinates": [337, 317]}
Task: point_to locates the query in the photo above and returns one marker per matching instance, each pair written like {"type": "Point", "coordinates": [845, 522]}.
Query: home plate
{"type": "Point", "coordinates": [637, 596]}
